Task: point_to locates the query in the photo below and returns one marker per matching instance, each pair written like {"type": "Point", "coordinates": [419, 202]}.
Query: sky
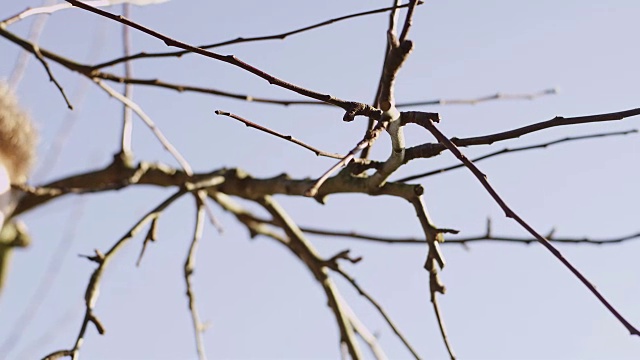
{"type": "Point", "coordinates": [503, 301]}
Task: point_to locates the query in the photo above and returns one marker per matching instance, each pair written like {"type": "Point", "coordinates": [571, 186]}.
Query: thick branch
{"type": "Point", "coordinates": [231, 181]}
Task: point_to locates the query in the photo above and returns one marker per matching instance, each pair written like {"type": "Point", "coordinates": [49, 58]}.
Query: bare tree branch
{"type": "Point", "coordinates": [449, 144]}
{"type": "Point", "coordinates": [189, 268]}
{"type": "Point", "coordinates": [380, 309]}
{"type": "Point", "coordinates": [430, 149]}
{"type": "Point", "coordinates": [351, 108]}
{"type": "Point", "coordinates": [36, 52]}
{"type": "Point", "coordinates": [150, 124]}
{"type": "Point", "coordinates": [516, 149]}
{"type": "Point", "coordinates": [46, 281]}
{"type": "Point", "coordinates": [365, 334]}
{"type": "Point", "coordinates": [93, 287]}
{"type": "Point", "coordinates": [369, 139]}
{"type": "Point", "coordinates": [239, 40]}
{"type": "Point", "coordinates": [277, 134]}
{"type": "Point", "coordinates": [408, 21]}
{"type": "Point", "coordinates": [474, 101]}
{"type": "Point", "coordinates": [443, 330]}
{"type": "Point", "coordinates": [465, 240]}
{"type": "Point", "coordinates": [35, 30]}
{"type": "Point", "coordinates": [305, 251]}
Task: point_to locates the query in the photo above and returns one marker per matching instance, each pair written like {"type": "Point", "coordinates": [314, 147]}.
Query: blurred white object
{"type": "Point", "coordinates": [5, 194]}
{"type": "Point", "coordinates": [17, 149]}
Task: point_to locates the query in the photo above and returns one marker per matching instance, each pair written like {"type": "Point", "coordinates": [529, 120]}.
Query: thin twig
{"type": "Point", "coordinates": [365, 334]}
{"type": "Point", "coordinates": [474, 101]}
{"type": "Point", "coordinates": [557, 121]}
{"type": "Point", "coordinates": [152, 235]}
{"type": "Point", "coordinates": [305, 251]}
{"type": "Point", "coordinates": [93, 287]}
{"type": "Point", "coordinates": [443, 330]}
{"type": "Point", "coordinates": [380, 309]}
{"type": "Point", "coordinates": [35, 30]}
{"type": "Point", "coordinates": [127, 113]}
{"type": "Point", "coordinates": [202, 90]}
{"type": "Point", "coordinates": [465, 240]}
{"type": "Point", "coordinates": [513, 150]}
{"type": "Point", "coordinates": [368, 139]}
{"type": "Point", "coordinates": [36, 52]}
{"type": "Point", "coordinates": [351, 108]}
{"type": "Point", "coordinates": [50, 9]}
{"type": "Point", "coordinates": [50, 158]}
{"type": "Point", "coordinates": [150, 124]}
{"type": "Point", "coordinates": [433, 235]}
{"type": "Point", "coordinates": [290, 138]}
{"type": "Point", "coordinates": [428, 124]}
{"type": "Point", "coordinates": [189, 267]}
{"type": "Point", "coordinates": [432, 149]}
{"type": "Point", "coordinates": [239, 40]}
{"type": "Point", "coordinates": [91, 72]}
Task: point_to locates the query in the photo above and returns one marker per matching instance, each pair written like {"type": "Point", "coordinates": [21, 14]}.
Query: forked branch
{"type": "Point", "coordinates": [351, 108]}
{"type": "Point", "coordinates": [427, 123]}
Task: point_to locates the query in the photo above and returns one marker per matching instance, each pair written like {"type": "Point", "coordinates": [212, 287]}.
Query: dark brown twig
{"type": "Point", "coordinates": [443, 330]}
{"type": "Point", "coordinates": [430, 149]}
{"type": "Point", "coordinates": [277, 134]}
{"type": "Point", "coordinates": [486, 237]}
{"type": "Point", "coordinates": [557, 121]}
{"type": "Point", "coordinates": [36, 28]}
{"type": "Point", "coordinates": [92, 73]}
{"type": "Point", "coordinates": [513, 150]}
{"type": "Point", "coordinates": [38, 54]}
{"type": "Point", "coordinates": [239, 40]}
{"type": "Point", "coordinates": [351, 108]}
{"type": "Point", "coordinates": [201, 90]}
{"type": "Point", "coordinates": [449, 144]}
{"type": "Point", "coordinates": [466, 240]}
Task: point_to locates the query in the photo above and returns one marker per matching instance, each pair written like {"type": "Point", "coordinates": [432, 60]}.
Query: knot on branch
{"type": "Point", "coordinates": [353, 109]}
{"type": "Point", "coordinates": [419, 118]}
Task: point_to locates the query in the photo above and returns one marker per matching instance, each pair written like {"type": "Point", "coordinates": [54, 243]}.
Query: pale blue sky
{"type": "Point", "coordinates": [504, 301]}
